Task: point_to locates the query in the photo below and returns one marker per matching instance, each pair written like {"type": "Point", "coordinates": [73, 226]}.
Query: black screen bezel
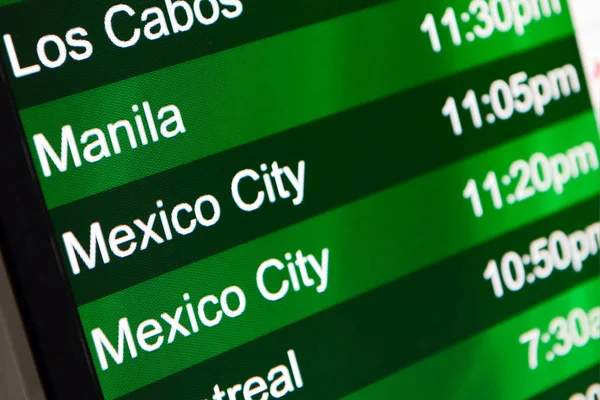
{"type": "Point", "coordinates": [29, 248]}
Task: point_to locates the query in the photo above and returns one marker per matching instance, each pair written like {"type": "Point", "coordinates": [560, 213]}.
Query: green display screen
{"type": "Point", "coordinates": [258, 199]}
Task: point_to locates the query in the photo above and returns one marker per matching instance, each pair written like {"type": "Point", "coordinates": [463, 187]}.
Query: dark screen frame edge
{"type": "Point", "coordinates": [35, 270]}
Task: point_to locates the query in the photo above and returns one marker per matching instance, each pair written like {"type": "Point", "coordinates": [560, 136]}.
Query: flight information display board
{"type": "Point", "coordinates": [352, 199]}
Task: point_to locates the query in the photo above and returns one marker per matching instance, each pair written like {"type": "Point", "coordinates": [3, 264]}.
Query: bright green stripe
{"type": "Point", "coordinates": [269, 86]}
{"type": "Point", "coordinates": [7, 2]}
{"type": "Point", "coordinates": [493, 365]}
{"type": "Point", "coordinates": [360, 236]}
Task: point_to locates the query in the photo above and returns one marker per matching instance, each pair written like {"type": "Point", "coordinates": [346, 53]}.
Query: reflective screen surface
{"type": "Point", "coordinates": [259, 199]}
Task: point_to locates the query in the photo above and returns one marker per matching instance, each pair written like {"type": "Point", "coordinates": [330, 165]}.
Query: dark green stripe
{"type": "Point", "coordinates": [363, 340]}
{"type": "Point", "coordinates": [267, 87]}
{"type": "Point", "coordinates": [109, 63]}
{"type": "Point", "coordinates": [360, 236]}
{"type": "Point", "coordinates": [348, 156]}
{"type": "Point", "coordinates": [576, 384]}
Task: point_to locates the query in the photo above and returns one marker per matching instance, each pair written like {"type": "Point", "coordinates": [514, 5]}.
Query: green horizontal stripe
{"type": "Point", "coordinates": [387, 346]}
{"type": "Point", "coordinates": [266, 87]}
{"type": "Point", "coordinates": [330, 148]}
{"type": "Point", "coordinates": [109, 63]}
{"type": "Point", "coordinates": [493, 365]}
{"type": "Point", "coordinates": [579, 383]}
{"type": "Point", "coordinates": [348, 232]}
{"type": "Point", "coordinates": [7, 2]}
